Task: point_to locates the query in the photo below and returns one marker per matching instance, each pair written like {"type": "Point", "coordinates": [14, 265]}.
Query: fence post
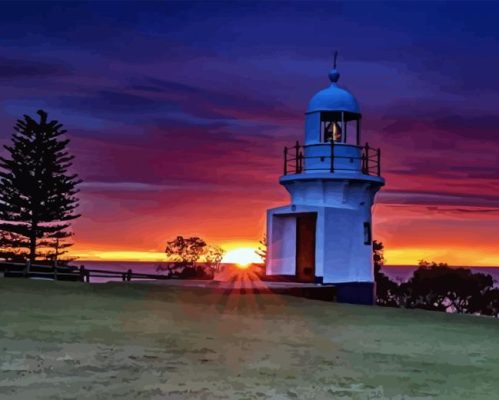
{"type": "Point", "coordinates": [379, 162]}
{"type": "Point", "coordinates": [297, 149]}
{"type": "Point", "coordinates": [87, 276]}
{"type": "Point", "coordinates": [129, 275]}
{"type": "Point", "coordinates": [301, 162]}
{"type": "Point", "coordinates": [332, 155]}
{"type": "Point", "coordinates": [285, 161]}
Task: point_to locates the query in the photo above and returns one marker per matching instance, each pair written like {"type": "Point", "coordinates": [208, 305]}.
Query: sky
{"type": "Point", "coordinates": [178, 113]}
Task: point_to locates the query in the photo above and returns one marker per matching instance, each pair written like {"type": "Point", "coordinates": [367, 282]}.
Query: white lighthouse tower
{"type": "Point", "coordinates": [325, 234]}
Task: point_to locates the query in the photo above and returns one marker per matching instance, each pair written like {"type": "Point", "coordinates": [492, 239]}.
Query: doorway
{"type": "Point", "coordinates": [305, 246]}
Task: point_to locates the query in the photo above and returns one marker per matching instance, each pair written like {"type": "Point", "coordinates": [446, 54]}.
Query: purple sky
{"type": "Point", "coordinates": [178, 113]}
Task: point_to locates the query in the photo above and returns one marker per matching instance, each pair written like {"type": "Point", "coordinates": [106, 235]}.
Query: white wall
{"type": "Point", "coordinates": [342, 207]}
{"type": "Point", "coordinates": [281, 238]}
{"type": "Point", "coordinates": [346, 257]}
{"type": "Point", "coordinates": [322, 190]}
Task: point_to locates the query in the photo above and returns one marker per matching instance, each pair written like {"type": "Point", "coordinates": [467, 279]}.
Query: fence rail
{"type": "Point", "coordinates": [295, 160]}
{"type": "Point", "coordinates": [86, 274]}
{"type": "Point", "coordinates": [17, 270]}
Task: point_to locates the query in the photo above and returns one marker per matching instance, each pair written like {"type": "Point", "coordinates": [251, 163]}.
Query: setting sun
{"type": "Point", "coordinates": [243, 257]}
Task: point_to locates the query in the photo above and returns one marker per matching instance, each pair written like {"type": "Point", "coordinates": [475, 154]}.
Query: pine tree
{"type": "Point", "coordinates": [37, 193]}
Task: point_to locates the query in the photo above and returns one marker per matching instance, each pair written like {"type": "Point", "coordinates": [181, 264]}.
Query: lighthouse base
{"type": "Point", "coordinates": [363, 293]}
{"type": "Point", "coordinates": [319, 244]}
{"type": "Point", "coordinates": [356, 293]}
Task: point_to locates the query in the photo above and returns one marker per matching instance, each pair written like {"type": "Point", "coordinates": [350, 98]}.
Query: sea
{"type": "Point", "coordinates": [398, 273]}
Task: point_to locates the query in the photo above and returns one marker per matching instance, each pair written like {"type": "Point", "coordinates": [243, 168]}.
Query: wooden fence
{"type": "Point", "coordinates": [66, 273]}
{"type": "Point", "coordinates": [85, 275]}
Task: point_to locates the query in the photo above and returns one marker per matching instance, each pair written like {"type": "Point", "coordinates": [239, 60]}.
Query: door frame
{"type": "Point", "coordinates": [301, 276]}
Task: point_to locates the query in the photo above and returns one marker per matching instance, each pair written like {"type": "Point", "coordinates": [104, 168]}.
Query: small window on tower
{"type": "Point", "coordinates": [367, 233]}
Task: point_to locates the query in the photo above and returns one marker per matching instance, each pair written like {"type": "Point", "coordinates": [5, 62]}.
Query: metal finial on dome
{"type": "Point", "coordinates": [334, 75]}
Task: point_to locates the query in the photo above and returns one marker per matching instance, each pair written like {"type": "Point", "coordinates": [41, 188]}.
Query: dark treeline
{"type": "Point", "coordinates": [437, 287]}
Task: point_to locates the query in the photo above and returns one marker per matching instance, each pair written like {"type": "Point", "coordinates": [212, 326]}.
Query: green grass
{"type": "Point", "coordinates": [135, 341]}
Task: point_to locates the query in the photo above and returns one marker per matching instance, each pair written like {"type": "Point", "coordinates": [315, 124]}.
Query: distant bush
{"type": "Point", "coordinates": [184, 255]}
{"type": "Point", "coordinates": [437, 287]}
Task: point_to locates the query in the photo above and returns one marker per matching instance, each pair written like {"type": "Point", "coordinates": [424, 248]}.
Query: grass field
{"type": "Point", "coordinates": [136, 341]}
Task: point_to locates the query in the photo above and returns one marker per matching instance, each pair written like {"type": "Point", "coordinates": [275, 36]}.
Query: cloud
{"type": "Point", "coordinates": [433, 121]}
{"type": "Point", "coordinates": [393, 196]}
{"type": "Point", "coordinates": [116, 186]}
{"type": "Point", "coordinates": [29, 69]}
{"type": "Point", "coordinates": [125, 186]}
{"type": "Point", "coordinates": [186, 107]}
{"type": "Point", "coordinates": [113, 102]}
{"type": "Point", "coordinates": [443, 210]}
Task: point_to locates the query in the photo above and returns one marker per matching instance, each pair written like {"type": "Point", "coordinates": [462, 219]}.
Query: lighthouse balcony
{"type": "Point", "coordinates": [332, 158]}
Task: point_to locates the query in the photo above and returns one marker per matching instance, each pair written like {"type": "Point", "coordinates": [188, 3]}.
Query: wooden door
{"type": "Point", "coordinates": [305, 247]}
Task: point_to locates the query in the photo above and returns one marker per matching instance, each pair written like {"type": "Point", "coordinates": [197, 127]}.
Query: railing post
{"type": "Point", "coordinates": [358, 132]}
{"type": "Point", "coordinates": [301, 162]}
{"type": "Point", "coordinates": [332, 155]}
{"type": "Point", "coordinates": [343, 130]}
{"type": "Point", "coordinates": [366, 159]}
{"type": "Point", "coordinates": [379, 162]}
{"type": "Point", "coordinates": [285, 161]}
{"type": "Point", "coordinates": [297, 149]}
{"type": "Point", "coordinates": [129, 275]}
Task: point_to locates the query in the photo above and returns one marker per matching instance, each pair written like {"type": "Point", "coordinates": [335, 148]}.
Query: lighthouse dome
{"type": "Point", "coordinates": [333, 98]}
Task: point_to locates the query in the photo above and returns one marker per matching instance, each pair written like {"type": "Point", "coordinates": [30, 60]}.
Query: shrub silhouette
{"type": "Point", "coordinates": [440, 288]}
{"type": "Point", "coordinates": [183, 256]}
{"type": "Point", "coordinates": [387, 291]}
{"type": "Point", "coordinates": [437, 287]}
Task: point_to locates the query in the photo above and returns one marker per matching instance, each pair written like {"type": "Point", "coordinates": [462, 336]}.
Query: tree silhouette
{"type": "Point", "coordinates": [441, 288]}
{"type": "Point", "coordinates": [386, 289]}
{"type": "Point", "coordinates": [488, 303]}
{"type": "Point", "coordinates": [437, 287]}
{"type": "Point", "coordinates": [213, 256]}
{"type": "Point", "coordinates": [261, 251]}
{"type": "Point", "coordinates": [184, 253]}
{"type": "Point", "coordinates": [37, 193]}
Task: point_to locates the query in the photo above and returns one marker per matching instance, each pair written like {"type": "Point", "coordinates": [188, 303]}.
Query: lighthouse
{"type": "Point", "coordinates": [324, 235]}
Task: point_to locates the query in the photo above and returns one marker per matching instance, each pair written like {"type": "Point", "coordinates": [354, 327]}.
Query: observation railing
{"type": "Point", "coordinates": [365, 160]}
